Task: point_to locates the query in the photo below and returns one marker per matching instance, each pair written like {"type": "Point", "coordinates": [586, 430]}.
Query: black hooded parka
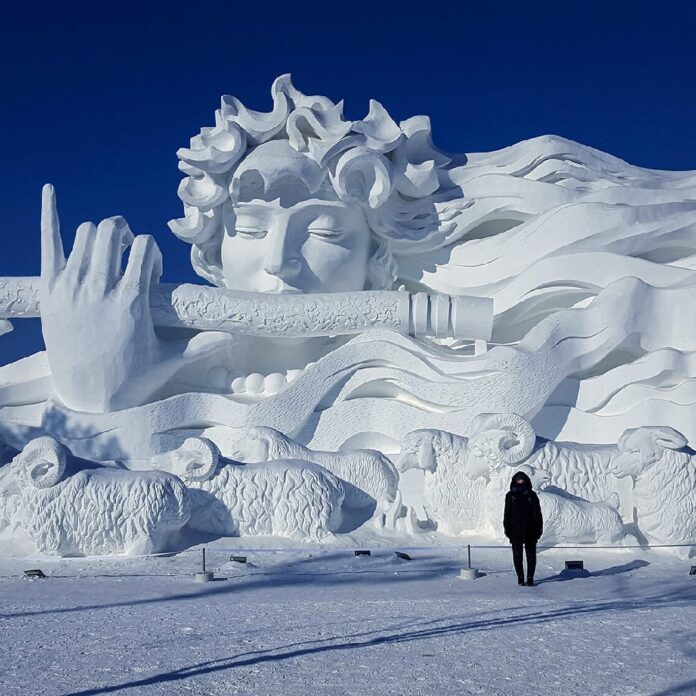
{"type": "Point", "coordinates": [522, 520]}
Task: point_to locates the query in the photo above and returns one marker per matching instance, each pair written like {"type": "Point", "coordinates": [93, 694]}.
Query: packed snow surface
{"type": "Point", "coordinates": [320, 621]}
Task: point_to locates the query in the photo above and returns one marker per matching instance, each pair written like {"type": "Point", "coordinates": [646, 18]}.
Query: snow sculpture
{"type": "Point", "coordinates": [567, 518]}
{"type": "Point", "coordinates": [94, 511]}
{"type": "Point", "coordinates": [502, 438]}
{"type": "Point", "coordinates": [453, 481]}
{"type": "Point", "coordinates": [664, 476]}
{"type": "Point", "coordinates": [368, 285]}
{"type": "Point", "coordinates": [261, 314]}
{"type": "Point", "coordinates": [456, 468]}
{"type": "Point", "coordinates": [195, 460]}
{"type": "Point", "coordinates": [571, 519]}
{"type": "Point", "coordinates": [582, 470]}
{"type": "Point", "coordinates": [300, 201]}
{"type": "Point", "coordinates": [368, 477]}
{"type": "Point", "coordinates": [466, 482]}
{"type": "Point", "coordinates": [285, 497]}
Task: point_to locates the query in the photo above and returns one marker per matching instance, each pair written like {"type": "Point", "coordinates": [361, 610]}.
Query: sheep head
{"type": "Point", "coordinates": [417, 451]}
{"type": "Point", "coordinates": [640, 448]}
{"type": "Point", "coordinates": [501, 439]}
{"type": "Point", "coordinates": [255, 445]}
{"type": "Point", "coordinates": [540, 478]}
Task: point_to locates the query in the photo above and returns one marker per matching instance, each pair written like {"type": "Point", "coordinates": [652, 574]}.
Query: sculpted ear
{"type": "Point", "coordinates": [263, 447]}
{"type": "Point", "coordinates": [403, 460]}
{"type": "Point", "coordinates": [253, 446]}
{"type": "Point", "coordinates": [669, 438]}
{"type": "Point", "coordinates": [427, 454]}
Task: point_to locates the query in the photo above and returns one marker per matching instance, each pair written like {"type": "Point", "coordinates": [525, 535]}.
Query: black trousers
{"type": "Point", "coordinates": [530, 552]}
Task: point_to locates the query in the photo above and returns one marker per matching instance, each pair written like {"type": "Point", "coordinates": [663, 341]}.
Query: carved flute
{"type": "Point", "coordinates": [290, 315]}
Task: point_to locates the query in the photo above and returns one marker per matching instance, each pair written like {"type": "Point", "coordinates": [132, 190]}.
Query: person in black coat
{"type": "Point", "coordinates": [523, 524]}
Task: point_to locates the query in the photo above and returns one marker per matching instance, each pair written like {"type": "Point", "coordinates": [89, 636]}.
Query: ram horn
{"type": "Point", "coordinates": [516, 435]}
{"type": "Point", "coordinates": [44, 460]}
{"type": "Point", "coordinates": [196, 459]}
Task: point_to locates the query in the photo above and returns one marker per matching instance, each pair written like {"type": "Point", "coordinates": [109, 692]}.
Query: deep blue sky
{"type": "Point", "coordinates": [98, 100]}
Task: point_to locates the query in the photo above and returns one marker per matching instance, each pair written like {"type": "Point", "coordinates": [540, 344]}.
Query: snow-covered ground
{"type": "Point", "coordinates": [319, 621]}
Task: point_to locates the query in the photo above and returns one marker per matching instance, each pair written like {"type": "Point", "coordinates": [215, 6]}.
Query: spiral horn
{"type": "Point", "coordinates": [197, 459]}
{"type": "Point", "coordinates": [44, 460]}
{"type": "Point", "coordinates": [516, 436]}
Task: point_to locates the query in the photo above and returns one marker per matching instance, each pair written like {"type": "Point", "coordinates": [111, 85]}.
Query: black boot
{"type": "Point", "coordinates": [520, 580]}
{"type": "Point", "coordinates": [530, 582]}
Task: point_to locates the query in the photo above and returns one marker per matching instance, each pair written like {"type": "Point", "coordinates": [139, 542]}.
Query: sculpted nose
{"type": "Point", "coordinates": [280, 260]}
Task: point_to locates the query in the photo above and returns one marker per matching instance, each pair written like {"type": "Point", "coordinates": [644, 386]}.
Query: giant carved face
{"type": "Point", "coordinates": [285, 230]}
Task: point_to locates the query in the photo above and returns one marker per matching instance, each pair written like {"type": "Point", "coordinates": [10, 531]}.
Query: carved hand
{"type": "Point", "coordinates": [102, 347]}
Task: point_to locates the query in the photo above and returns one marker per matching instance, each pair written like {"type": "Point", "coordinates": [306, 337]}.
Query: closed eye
{"type": "Point", "coordinates": [322, 233]}
{"type": "Point", "coordinates": [251, 232]}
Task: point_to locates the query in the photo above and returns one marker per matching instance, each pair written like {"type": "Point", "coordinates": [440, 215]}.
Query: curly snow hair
{"type": "Point", "coordinates": [392, 171]}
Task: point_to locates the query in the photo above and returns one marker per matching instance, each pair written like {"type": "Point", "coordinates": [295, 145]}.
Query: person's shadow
{"type": "Point", "coordinates": [584, 573]}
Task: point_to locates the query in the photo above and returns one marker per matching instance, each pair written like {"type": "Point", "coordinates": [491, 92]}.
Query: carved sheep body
{"type": "Point", "coordinates": [94, 511]}
{"type": "Point", "coordinates": [368, 476]}
{"type": "Point", "coordinates": [664, 493]}
{"type": "Point", "coordinates": [581, 470]}
{"type": "Point", "coordinates": [571, 519]}
{"type": "Point", "coordinates": [288, 498]}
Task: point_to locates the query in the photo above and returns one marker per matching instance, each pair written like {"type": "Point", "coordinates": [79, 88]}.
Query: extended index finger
{"type": "Point", "coordinates": [52, 256]}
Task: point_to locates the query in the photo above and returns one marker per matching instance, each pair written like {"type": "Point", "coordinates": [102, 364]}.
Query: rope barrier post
{"type": "Point", "coordinates": [468, 573]}
{"type": "Point", "coordinates": [203, 575]}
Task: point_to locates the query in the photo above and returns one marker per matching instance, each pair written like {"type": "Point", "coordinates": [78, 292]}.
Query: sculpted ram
{"type": "Point", "coordinates": [664, 483]}
{"type": "Point", "coordinates": [368, 476]}
{"type": "Point", "coordinates": [91, 512]}
{"type": "Point", "coordinates": [466, 480]}
{"type": "Point", "coordinates": [457, 468]}
{"type": "Point", "coordinates": [285, 497]}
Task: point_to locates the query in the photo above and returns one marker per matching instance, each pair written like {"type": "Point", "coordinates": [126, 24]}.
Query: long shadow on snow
{"type": "Point", "coordinates": [285, 575]}
{"type": "Point", "coordinates": [685, 688]}
{"type": "Point", "coordinates": [565, 575]}
{"type": "Point", "coordinates": [396, 635]}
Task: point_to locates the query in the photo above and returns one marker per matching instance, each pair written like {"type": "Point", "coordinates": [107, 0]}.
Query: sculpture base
{"type": "Point", "coordinates": [468, 574]}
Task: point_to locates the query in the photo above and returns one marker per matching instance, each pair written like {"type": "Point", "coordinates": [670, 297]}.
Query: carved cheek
{"type": "Point", "coordinates": [243, 263]}
{"type": "Point", "coordinates": [335, 266]}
